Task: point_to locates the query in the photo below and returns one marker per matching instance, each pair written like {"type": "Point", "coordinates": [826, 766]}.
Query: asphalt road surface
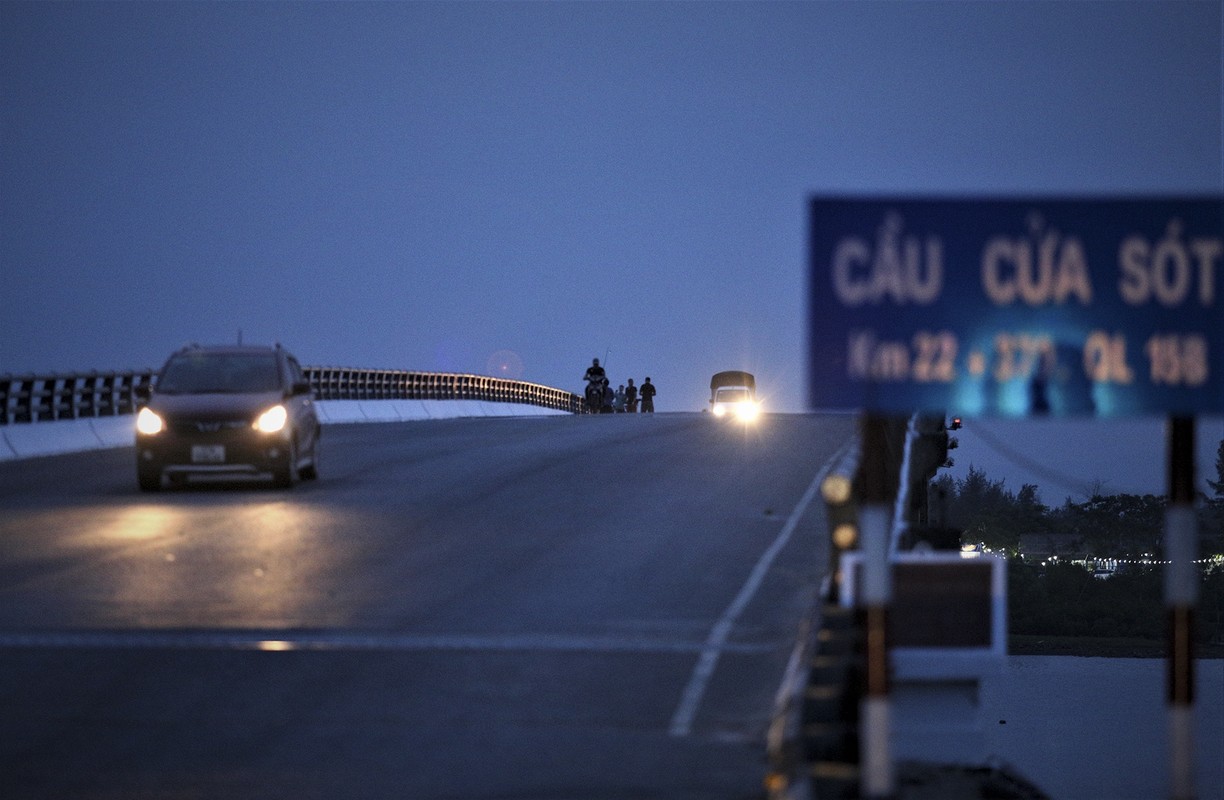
{"type": "Point", "coordinates": [549, 607]}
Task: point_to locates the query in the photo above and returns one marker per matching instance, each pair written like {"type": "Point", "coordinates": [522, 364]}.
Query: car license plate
{"type": "Point", "coordinates": [208, 454]}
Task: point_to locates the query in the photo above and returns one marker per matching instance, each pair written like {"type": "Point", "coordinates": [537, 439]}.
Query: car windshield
{"type": "Point", "coordinates": [220, 373]}
{"type": "Point", "coordinates": [731, 395]}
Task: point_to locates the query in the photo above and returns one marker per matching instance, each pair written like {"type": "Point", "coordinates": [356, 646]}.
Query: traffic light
{"type": "Point", "coordinates": [955, 425]}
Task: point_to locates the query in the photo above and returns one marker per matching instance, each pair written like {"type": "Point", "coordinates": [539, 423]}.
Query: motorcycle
{"type": "Point", "coordinates": [594, 395]}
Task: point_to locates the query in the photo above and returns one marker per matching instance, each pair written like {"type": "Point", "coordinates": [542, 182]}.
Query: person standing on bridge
{"type": "Point", "coordinates": [648, 396]}
{"type": "Point", "coordinates": [609, 398]}
{"type": "Point", "coordinates": [618, 399]}
{"type": "Point", "coordinates": [631, 397]}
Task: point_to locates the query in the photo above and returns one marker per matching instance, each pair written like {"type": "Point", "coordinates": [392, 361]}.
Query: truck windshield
{"type": "Point", "coordinates": [731, 395]}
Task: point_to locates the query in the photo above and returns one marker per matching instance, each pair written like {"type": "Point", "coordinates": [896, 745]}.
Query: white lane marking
{"type": "Point", "coordinates": [281, 640]}
{"type": "Point", "coordinates": [716, 642]}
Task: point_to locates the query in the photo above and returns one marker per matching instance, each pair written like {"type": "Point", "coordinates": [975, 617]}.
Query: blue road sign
{"type": "Point", "coordinates": [1017, 307]}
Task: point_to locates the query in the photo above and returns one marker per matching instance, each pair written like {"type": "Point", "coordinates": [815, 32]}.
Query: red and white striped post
{"type": "Point", "coordinates": [877, 774]}
{"type": "Point", "coordinates": [1181, 595]}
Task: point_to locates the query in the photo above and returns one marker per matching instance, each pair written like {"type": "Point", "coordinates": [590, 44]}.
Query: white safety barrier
{"type": "Point", "coordinates": [66, 436]}
{"type": "Point", "coordinates": [78, 435]}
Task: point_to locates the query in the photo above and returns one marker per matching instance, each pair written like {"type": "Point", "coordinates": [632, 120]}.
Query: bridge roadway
{"type": "Point", "coordinates": [549, 607]}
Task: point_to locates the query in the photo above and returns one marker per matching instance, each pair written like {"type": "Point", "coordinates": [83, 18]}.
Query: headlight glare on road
{"type": "Point", "coordinates": [272, 420]}
{"type": "Point", "coordinates": [148, 422]}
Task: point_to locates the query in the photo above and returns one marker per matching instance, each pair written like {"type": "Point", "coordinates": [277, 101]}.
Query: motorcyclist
{"type": "Point", "coordinates": [594, 372]}
{"type": "Point", "coordinates": [596, 380]}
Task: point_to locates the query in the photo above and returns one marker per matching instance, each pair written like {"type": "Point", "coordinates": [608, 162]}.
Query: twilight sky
{"type": "Point", "coordinates": [515, 188]}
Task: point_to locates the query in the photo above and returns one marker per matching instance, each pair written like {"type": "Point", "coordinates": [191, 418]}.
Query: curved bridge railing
{"type": "Point", "coordinates": [336, 383]}
{"type": "Point", "coordinates": [46, 398]}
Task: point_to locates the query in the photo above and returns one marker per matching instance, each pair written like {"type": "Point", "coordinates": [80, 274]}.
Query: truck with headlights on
{"type": "Point", "coordinates": [733, 395]}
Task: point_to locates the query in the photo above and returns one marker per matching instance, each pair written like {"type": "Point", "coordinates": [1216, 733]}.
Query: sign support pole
{"type": "Point", "coordinates": [877, 772]}
{"type": "Point", "coordinates": [1181, 595]}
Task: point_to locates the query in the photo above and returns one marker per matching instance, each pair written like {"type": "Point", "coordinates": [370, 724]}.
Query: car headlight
{"type": "Point", "coordinates": [719, 409]}
{"type": "Point", "coordinates": [148, 422]}
{"type": "Point", "coordinates": [272, 420]}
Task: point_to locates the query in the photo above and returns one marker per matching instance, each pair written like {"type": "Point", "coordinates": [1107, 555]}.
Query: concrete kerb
{"type": "Point", "coordinates": [29, 440]}
{"type": "Point", "coordinates": [114, 431]}
{"type": "Point", "coordinates": [517, 410]}
{"type": "Point", "coordinates": [346, 411]}
{"type": "Point", "coordinates": [66, 436]}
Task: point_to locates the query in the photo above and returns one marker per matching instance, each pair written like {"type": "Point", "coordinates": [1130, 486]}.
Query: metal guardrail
{"type": "Point", "coordinates": [337, 383]}
{"type": "Point", "coordinates": [47, 398]}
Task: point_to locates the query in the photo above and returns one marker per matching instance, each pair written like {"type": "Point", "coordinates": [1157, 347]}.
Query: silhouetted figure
{"type": "Point", "coordinates": [596, 379]}
{"type": "Point", "coordinates": [609, 397]}
{"type": "Point", "coordinates": [631, 397]}
{"type": "Point", "coordinates": [594, 372]}
{"type": "Point", "coordinates": [648, 395]}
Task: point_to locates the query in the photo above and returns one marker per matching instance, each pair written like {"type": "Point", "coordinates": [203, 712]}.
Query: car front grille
{"type": "Point", "coordinates": [191, 427]}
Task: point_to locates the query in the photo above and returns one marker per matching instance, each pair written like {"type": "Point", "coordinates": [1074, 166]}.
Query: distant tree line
{"type": "Point", "coordinates": [1059, 598]}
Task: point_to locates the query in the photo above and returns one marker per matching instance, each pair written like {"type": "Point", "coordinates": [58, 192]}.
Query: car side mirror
{"type": "Point", "coordinates": [301, 387]}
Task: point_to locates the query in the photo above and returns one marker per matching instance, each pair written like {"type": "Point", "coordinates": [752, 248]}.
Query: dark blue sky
{"type": "Point", "coordinates": [473, 187]}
